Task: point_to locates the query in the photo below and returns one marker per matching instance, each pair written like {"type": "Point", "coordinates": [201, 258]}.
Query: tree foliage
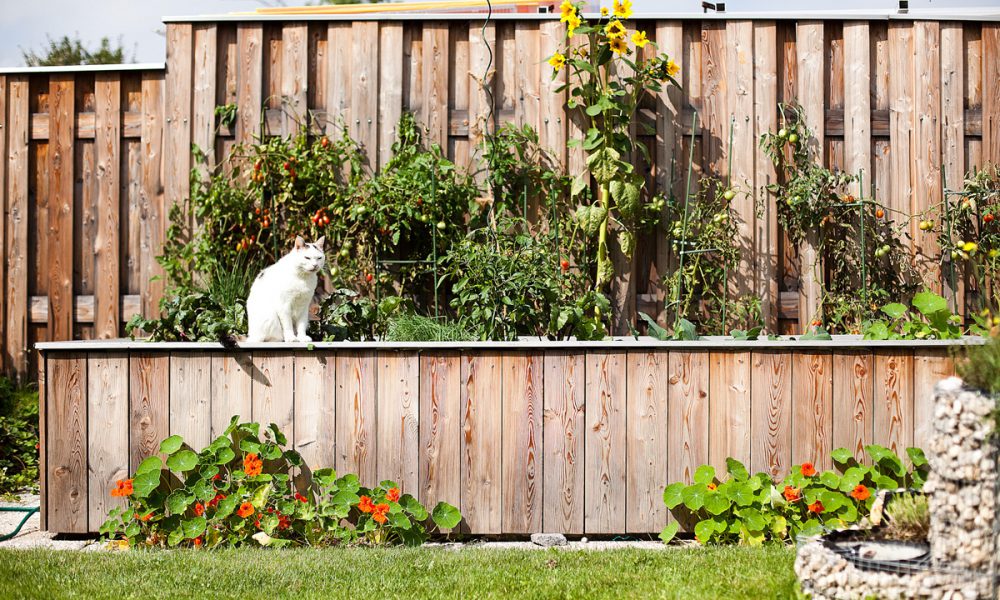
{"type": "Point", "coordinates": [67, 51]}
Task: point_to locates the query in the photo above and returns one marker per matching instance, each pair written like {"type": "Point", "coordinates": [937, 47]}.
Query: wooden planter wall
{"type": "Point", "coordinates": [573, 438]}
{"type": "Point", "coordinates": [90, 163]}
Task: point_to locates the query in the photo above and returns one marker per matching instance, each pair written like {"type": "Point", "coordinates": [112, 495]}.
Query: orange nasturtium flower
{"type": "Point", "coordinates": [392, 495]}
{"type": "Point", "coordinates": [198, 542]}
{"type": "Point", "coordinates": [379, 513]}
{"type": "Point", "coordinates": [199, 509]}
{"type": "Point", "coordinates": [639, 39]}
{"type": "Point", "coordinates": [145, 517]}
{"type": "Point", "coordinates": [123, 488]}
{"type": "Point", "coordinates": [252, 465]}
{"type": "Point", "coordinates": [558, 61]}
{"type": "Point", "coordinates": [245, 510]}
{"type": "Point", "coordinates": [623, 9]}
{"type": "Point", "coordinates": [615, 30]}
{"type": "Point", "coordinates": [808, 469]}
{"type": "Point", "coordinates": [860, 493]}
{"type": "Point", "coordinates": [301, 498]}
{"type": "Point", "coordinates": [816, 507]}
{"type": "Point", "coordinates": [712, 487]}
{"type": "Point", "coordinates": [366, 505]}
{"type": "Point", "coordinates": [792, 493]}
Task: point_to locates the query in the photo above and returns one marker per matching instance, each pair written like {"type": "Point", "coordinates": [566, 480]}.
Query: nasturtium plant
{"type": "Point", "coordinates": [609, 70]}
{"type": "Point", "coordinates": [931, 320]}
{"type": "Point", "coordinates": [245, 488]}
{"type": "Point", "coordinates": [753, 509]}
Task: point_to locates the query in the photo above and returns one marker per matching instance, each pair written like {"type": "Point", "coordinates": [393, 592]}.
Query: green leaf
{"type": "Point", "coordinates": [841, 456]}
{"type": "Point", "coordinates": [741, 493]}
{"type": "Point", "coordinates": [716, 503]}
{"type": "Point", "coordinates": [259, 497]}
{"type": "Point", "coordinates": [685, 330]}
{"type": "Point", "coordinates": [153, 463]}
{"type": "Point", "coordinates": [183, 461]}
{"type": "Point", "coordinates": [193, 527]}
{"type": "Point", "coordinates": [626, 195]}
{"type": "Point", "coordinates": [171, 444]}
{"type": "Point", "coordinates": [224, 456]}
{"type": "Point", "coordinates": [736, 469]}
{"type": "Point", "coordinates": [753, 519]}
{"type": "Point", "coordinates": [226, 506]}
{"type": "Point", "coordinates": [917, 457]}
{"type": "Point", "coordinates": [816, 333]}
{"type": "Point", "coordinates": [704, 531]}
{"type": "Point", "coordinates": [895, 310]}
{"type": "Point", "coordinates": [876, 330]}
{"type": "Point", "coordinates": [580, 183]}
{"type": "Point", "coordinates": [144, 483]}
{"type": "Point", "coordinates": [673, 495]}
{"type": "Point", "coordinates": [603, 164]}
{"type": "Point", "coordinates": [446, 516]}
{"type": "Point", "coordinates": [929, 303]}
{"type": "Point", "coordinates": [830, 479]}
{"type": "Point", "coordinates": [694, 496]}
{"type": "Point", "coordinates": [653, 328]}
{"type": "Point", "coordinates": [414, 507]}
{"type": "Point", "coordinates": [704, 474]}
{"type": "Point", "coordinates": [175, 537]}
{"type": "Point", "coordinates": [669, 532]}
{"type": "Point", "coordinates": [178, 501]}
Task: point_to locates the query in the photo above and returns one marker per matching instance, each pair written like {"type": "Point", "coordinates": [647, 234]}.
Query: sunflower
{"type": "Point", "coordinates": [672, 68]}
{"type": "Point", "coordinates": [618, 45]}
{"type": "Point", "coordinates": [615, 30]}
{"type": "Point", "coordinates": [623, 9]}
{"type": "Point", "coordinates": [604, 11]}
{"type": "Point", "coordinates": [566, 10]}
{"type": "Point", "coordinates": [639, 39]}
{"type": "Point", "coordinates": [558, 61]}
{"type": "Point", "coordinates": [571, 24]}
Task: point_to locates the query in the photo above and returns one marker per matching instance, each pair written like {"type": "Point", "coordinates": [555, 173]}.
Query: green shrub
{"type": "Point", "coordinates": [18, 439]}
{"type": "Point", "coordinates": [980, 367]}
{"type": "Point", "coordinates": [246, 489]}
{"type": "Point", "coordinates": [755, 509]}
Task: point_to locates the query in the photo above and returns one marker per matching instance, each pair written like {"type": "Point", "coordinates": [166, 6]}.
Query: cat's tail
{"type": "Point", "coordinates": [229, 341]}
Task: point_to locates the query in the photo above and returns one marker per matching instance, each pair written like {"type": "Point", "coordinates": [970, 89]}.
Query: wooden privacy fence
{"type": "Point", "coordinates": [95, 159]}
{"type": "Point", "coordinates": [523, 437]}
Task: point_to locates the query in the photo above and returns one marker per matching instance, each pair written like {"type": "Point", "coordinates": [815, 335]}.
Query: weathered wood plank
{"type": "Point", "coordinates": [894, 399]}
{"type": "Point", "coordinates": [563, 444]}
{"type": "Point", "coordinates": [901, 119]}
{"type": "Point", "coordinates": [107, 318]}
{"type": "Point", "coordinates": [149, 405]}
{"type": "Point", "coordinates": [739, 89]}
{"type": "Point", "coordinates": [952, 104]}
{"type": "Point", "coordinates": [43, 444]}
{"type": "Point", "coordinates": [177, 115]}
{"type": "Point", "coordinates": [521, 461]}
{"type": "Point", "coordinates": [314, 411]}
{"type": "Point", "coordinates": [551, 109]}
{"type": "Point", "coordinates": [853, 394]}
{"type": "Point", "coordinates": [715, 114]}
{"type": "Point", "coordinates": [729, 408]}
{"type": "Point", "coordinates": [232, 390]}
{"type": "Point", "coordinates": [646, 441]}
{"type": "Point", "coordinates": [809, 46]}
{"type": "Point", "coordinates": [929, 367]}
{"type": "Point", "coordinates": [604, 492]}
{"type": "Point", "coordinates": [191, 398]}
{"type": "Point", "coordinates": [434, 107]}
{"type": "Point", "coordinates": [398, 426]}
{"type": "Point", "coordinates": [440, 429]}
{"type": "Point", "coordinates": [771, 413]}
{"type": "Point", "coordinates": [765, 119]}
{"type": "Point", "coordinates": [339, 38]}
{"type": "Point", "coordinates": [108, 422]}
{"type": "Point", "coordinates": [480, 44]}
{"type": "Point", "coordinates": [204, 90]}
{"type": "Point", "coordinates": [294, 76]}
{"type": "Point", "coordinates": [66, 412]}
{"type": "Point", "coordinates": [364, 89]}
{"type": "Point", "coordinates": [60, 236]}
{"type": "Point", "coordinates": [355, 410]}
{"type": "Point", "coordinates": [273, 391]}
{"type": "Point", "coordinates": [4, 157]}
{"type": "Point", "coordinates": [857, 103]}
{"type": "Point", "coordinates": [390, 88]}
{"type": "Point", "coordinates": [688, 396]}
{"type": "Point", "coordinates": [249, 80]}
{"type": "Point", "coordinates": [991, 93]}
{"type": "Point", "coordinates": [153, 217]}
{"type": "Point", "coordinates": [812, 409]}
{"type": "Point", "coordinates": [926, 157]}
{"type": "Point", "coordinates": [482, 402]}
{"type": "Point", "coordinates": [17, 208]}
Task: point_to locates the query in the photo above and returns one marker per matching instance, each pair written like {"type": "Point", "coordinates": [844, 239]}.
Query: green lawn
{"type": "Point", "coordinates": [400, 573]}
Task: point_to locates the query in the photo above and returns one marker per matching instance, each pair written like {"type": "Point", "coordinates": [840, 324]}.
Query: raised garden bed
{"type": "Point", "coordinates": [571, 437]}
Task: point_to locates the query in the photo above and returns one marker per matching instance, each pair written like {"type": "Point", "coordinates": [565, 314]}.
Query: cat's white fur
{"type": "Point", "coordinates": [278, 305]}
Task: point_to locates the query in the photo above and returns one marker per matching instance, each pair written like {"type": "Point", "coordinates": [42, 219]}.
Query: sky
{"type": "Point", "coordinates": [137, 23]}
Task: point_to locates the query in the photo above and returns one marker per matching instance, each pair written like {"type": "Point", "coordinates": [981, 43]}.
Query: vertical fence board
{"type": "Point", "coordinates": [521, 459]}
{"type": "Point", "coordinates": [853, 394]}
{"type": "Point", "coordinates": [4, 156]}
{"type": "Point", "coordinates": [991, 93]}
{"type": "Point", "coordinates": [688, 397]}
{"type": "Point", "coordinates": [107, 317]}
{"type": "Point", "coordinates": [108, 426]}
{"type": "Point", "coordinates": [398, 447]}
{"type": "Point", "coordinates": [765, 116]}
{"type": "Point", "coordinates": [440, 429]}
{"type": "Point", "coordinates": [16, 222]}
{"type": "Point", "coordinates": [929, 367]}
{"type": "Point", "coordinates": [273, 391]}
{"type": "Point", "coordinates": [894, 399]}
{"type": "Point", "coordinates": [482, 401]}
{"type": "Point", "coordinates": [927, 159]}
{"type": "Point", "coordinates": [339, 38]}
{"type": "Point", "coordinates": [390, 88]}
{"type": "Point", "coordinates": [812, 409]}
{"type": "Point", "coordinates": [771, 413]}
{"type": "Point", "coordinates": [646, 442]}
{"type": "Point", "coordinates": [434, 107]}
{"type": "Point", "coordinates": [191, 398]}
{"type": "Point", "coordinates": [249, 80]}
{"type": "Point", "coordinates": [729, 408]}
{"type": "Point", "coordinates": [364, 89]}
{"type": "Point", "coordinates": [60, 210]}
{"type": "Point", "coordinates": [809, 45]}
{"type": "Point", "coordinates": [355, 410]}
{"type": "Point", "coordinates": [551, 109]}
{"type": "Point", "coordinates": [149, 405]}
{"type": "Point", "coordinates": [177, 119]}
{"type": "Point", "coordinates": [67, 451]}
{"type": "Point", "coordinates": [153, 217]}
{"type": "Point", "coordinates": [481, 43]}
{"type": "Point", "coordinates": [857, 103]}
{"type": "Point", "coordinates": [604, 492]}
{"type": "Point", "coordinates": [232, 390]}
{"type": "Point", "coordinates": [740, 102]}
{"type": "Point", "coordinates": [314, 410]}
{"type": "Point", "coordinates": [204, 92]}
{"type": "Point", "coordinates": [563, 443]}
{"type": "Point", "coordinates": [294, 77]}
{"type": "Point", "coordinates": [901, 64]}
{"type": "Point", "coordinates": [952, 104]}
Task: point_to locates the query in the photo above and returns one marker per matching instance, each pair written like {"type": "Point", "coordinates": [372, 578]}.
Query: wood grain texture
{"type": "Point", "coordinates": [894, 399]}
{"type": "Point", "coordinates": [482, 402]}
{"type": "Point", "coordinates": [481, 71]}
{"type": "Point", "coordinates": [398, 432]}
{"type": "Point", "coordinates": [294, 77]}
{"type": "Point", "coordinates": [204, 89]}
{"type": "Point", "coordinates": [857, 103]}
{"type": "Point", "coordinates": [901, 61]}
{"type": "Point", "coordinates": [991, 93]}
{"type": "Point", "coordinates": [434, 107]}
{"type": "Point", "coordinates": [177, 116]}
{"type": "Point", "coordinates": [551, 109]}
{"type": "Point", "coordinates": [59, 237]}
{"type": "Point", "coordinates": [729, 408]}
{"type": "Point", "coordinates": [364, 89]}
{"type": "Point", "coordinates": [249, 84]}
{"type": "Point", "coordinates": [646, 441]}
{"type": "Point", "coordinates": [4, 155]}
{"type": "Point", "coordinates": [853, 396]}
{"type": "Point", "coordinates": [314, 411]}
{"type": "Point", "coordinates": [440, 429]}
{"type": "Point", "coordinates": [149, 405]}
{"type": "Point", "coordinates": [338, 94]}
{"type": "Point", "coordinates": [232, 390]}
{"type": "Point", "coordinates": [274, 391]}
{"type": "Point", "coordinates": [108, 425]}
{"type": "Point", "coordinates": [152, 213]}
{"type": "Point", "coordinates": [604, 495]}
{"type": "Point", "coordinates": [688, 435]}
{"type": "Point", "coordinates": [66, 413]}
{"type": "Point", "coordinates": [16, 236]}
{"type": "Point", "coordinates": [390, 88]}
{"type": "Point", "coordinates": [670, 159]}
{"type": "Point", "coordinates": [107, 314]}
{"type": "Point", "coordinates": [563, 433]}
{"type": "Point", "coordinates": [809, 46]}
{"type": "Point", "coordinates": [765, 119]}
{"type": "Point", "coordinates": [740, 103]}
{"type": "Point", "coordinates": [927, 158]}
{"type": "Point", "coordinates": [191, 398]}
{"type": "Point", "coordinates": [929, 367]}
{"type": "Point", "coordinates": [812, 409]}
{"type": "Point", "coordinates": [43, 444]}
{"type": "Point", "coordinates": [771, 413]}
{"type": "Point", "coordinates": [355, 410]}
{"type": "Point", "coordinates": [521, 461]}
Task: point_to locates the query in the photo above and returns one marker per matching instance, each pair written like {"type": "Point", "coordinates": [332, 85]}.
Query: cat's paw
{"type": "Point", "coordinates": [303, 338]}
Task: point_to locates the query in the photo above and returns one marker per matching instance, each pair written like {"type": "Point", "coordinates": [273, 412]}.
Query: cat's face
{"type": "Point", "coordinates": [309, 258]}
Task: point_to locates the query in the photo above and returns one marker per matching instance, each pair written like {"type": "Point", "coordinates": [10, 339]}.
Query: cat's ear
{"type": "Point", "coordinates": [299, 242]}
{"type": "Point", "coordinates": [319, 243]}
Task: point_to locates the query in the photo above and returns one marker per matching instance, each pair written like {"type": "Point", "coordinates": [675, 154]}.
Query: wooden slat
{"type": "Point", "coordinates": [901, 63]}
{"type": "Point", "coordinates": [729, 408]}
{"type": "Point", "coordinates": [521, 461]}
{"type": "Point", "coordinates": [771, 413]}
{"type": "Point", "coordinates": [273, 391]}
{"type": "Point", "coordinates": [364, 89]}
{"type": "Point", "coordinates": [894, 399]}
{"type": "Point", "coordinates": [390, 88]}
{"type": "Point", "coordinates": [739, 89]}
{"type": "Point", "coordinates": [952, 125]}
{"type": "Point", "coordinates": [441, 429]}
{"type": "Point", "coordinates": [434, 109]}
{"type": "Point", "coordinates": [108, 422]}
{"type": "Point", "coordinates": [927, 159]}
{"type": "Point", "coordinates": [991, 93]}
{"type": "Point", "coordinates": [929, 367]}
{"type": "Point", "coordinates": [191, 398]}
{"type": "Point", "coordinates": [809, 46]}
{"type": "Point", "coordinates": [177, 115]}
{"type": "Point", "coordinates": [66, 478]}
{"type": "Point", "coordinates": [398, 448]}
{"type": "Point", "coordinates": [551, 109]}
{"type": "Point", "coordinates": [482, 402]}
{"type": "Point", "coordinates": [481, 71]}
{"type": "Point", "coordinates": [16, 222]}
{"type": "Point", "coordinates": [526, 74]}
{"type": "Point", "coordinates": [812, 409]}
{"type": "Point", "coordinates": [204, 90]}
{"type": "Point", "coordinates": [715, 114]}
{"type": "Point", "coordinates": [604, 495]}
{"type": "Point", "coordinates": [294, 76]}
{"type": "Point", "coordinates": [149, 405]}
{"type": "Point", "coordinates": [315, 410]}
{"type": "Point", "coordinates": [43, 444]}
{"type": "Point", "coordinates": [232, 389]}
{"type": "Point", "coordinates": [152, 214]}
{"type": "Point", "coordinates": [4, 122]}
{"type": "Point", "coordinates": [338, 81]}
{"type": "Point", "coordinates": [972, 54]}
{"type": "Point", "coordinates": [646, 441]}
{"type": "Point", "coordinates": [83, 308]}
{"type": "Point", "coordinates": [765, 115]}
{"type": "Point", "coordinates": [249, 80]}
{"type": "Point", "coordinates": [564, 433]}
{"type": "Point", "coordinates": [688, 435]}
{"type": "Point", "coordinates": [853, 411]}
{"type": "Point", "coordinates": [355, 410]}
{"type": "Point", "coordinates": [60, 209]}
{"type": "Point", "coordinates": [670, 160]}
{"type": "Point", "coordinates": [107, 318]}
{"type": "Point", "coordinates": [857, 103]}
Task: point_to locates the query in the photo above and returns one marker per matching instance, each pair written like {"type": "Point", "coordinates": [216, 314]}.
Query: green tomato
{"type": "Point", "coordinates": [782, 133]}
{"type": "Point", "coordinates": [729, 195]}
{"type": "Point", "coordinates": [794, 138]}
{"type": "Point", "coordinates": [442, 225]}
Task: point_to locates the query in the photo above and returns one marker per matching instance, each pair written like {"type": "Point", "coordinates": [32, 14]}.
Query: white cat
{"type": "Point", "coordinates": [278, 305]}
